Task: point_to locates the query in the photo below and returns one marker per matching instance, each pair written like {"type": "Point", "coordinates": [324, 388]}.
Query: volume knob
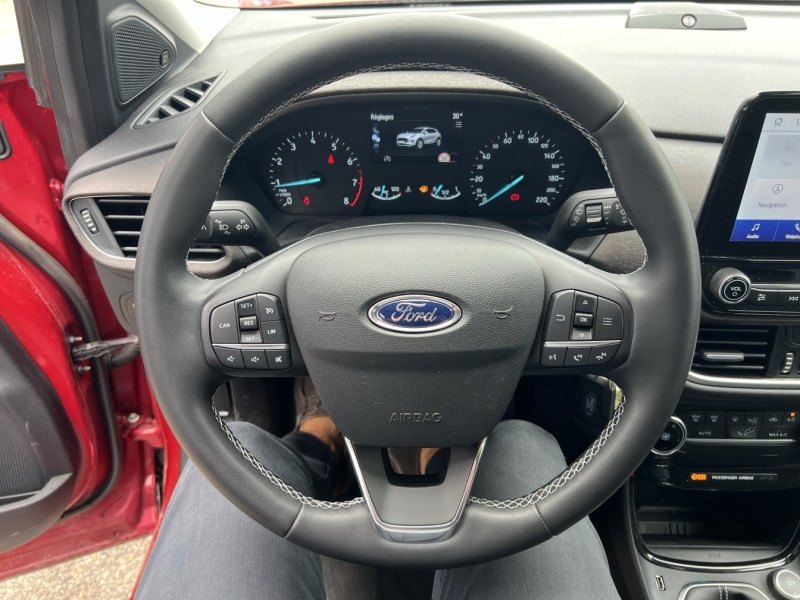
{"type": "Point", "coordinates": [730, 286]}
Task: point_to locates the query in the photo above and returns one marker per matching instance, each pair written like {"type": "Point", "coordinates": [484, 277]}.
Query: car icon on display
{"type": "Point", "coordinates": [419, 137]}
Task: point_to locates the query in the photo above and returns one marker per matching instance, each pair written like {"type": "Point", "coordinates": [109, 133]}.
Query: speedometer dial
{"type": "Point", "coordinates": [314, 172]}
{"type": "Point", "coordinates": [521, 171]}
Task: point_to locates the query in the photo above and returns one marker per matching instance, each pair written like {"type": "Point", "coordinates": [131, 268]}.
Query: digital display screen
{"type": "Point", "coordinates": [424, 136]}
{"type": "Point", "coordinates": [770, 206]}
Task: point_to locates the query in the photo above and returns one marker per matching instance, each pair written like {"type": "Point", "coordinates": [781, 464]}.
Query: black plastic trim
{"type": "Point", "coordinates": [5, 144]}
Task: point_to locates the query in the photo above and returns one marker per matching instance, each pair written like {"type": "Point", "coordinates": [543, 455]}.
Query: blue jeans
{"type": "Point", "coordinates": [207, 548]}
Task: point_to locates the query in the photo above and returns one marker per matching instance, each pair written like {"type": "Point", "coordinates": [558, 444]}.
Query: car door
{"type": "Point", "coordinates": [82, 462]}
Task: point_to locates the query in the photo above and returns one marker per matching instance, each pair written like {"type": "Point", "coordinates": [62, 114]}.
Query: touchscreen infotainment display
{"type": "Point", "coordinates": [770, 206]}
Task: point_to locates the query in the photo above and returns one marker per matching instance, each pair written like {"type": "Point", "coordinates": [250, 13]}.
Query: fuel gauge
{"type": "Point", "coordinates": [443, 192]}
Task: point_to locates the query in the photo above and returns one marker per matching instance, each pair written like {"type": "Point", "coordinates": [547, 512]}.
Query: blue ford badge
{"type": "Point", "coordinates": [414, 313]}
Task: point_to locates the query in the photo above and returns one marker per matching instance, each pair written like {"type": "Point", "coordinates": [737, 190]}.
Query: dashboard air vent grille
{"type": "Point", "coordinates": [177, 101]}
{"type": "Point", "coordinates": [125, 217]}
{"type": "Point", "coordinates": [729, 351]}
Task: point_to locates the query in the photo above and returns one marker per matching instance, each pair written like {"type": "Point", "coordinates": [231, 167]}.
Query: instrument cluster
{"type": "Point", "coordinates": [482, 155]}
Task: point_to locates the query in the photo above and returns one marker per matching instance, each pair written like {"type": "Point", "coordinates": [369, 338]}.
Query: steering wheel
{"type": "Point", "coordinates": [477, 320]}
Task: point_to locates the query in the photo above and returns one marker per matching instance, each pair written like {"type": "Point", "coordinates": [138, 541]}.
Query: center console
{"type": "Point", "coordinates": [715, 510]}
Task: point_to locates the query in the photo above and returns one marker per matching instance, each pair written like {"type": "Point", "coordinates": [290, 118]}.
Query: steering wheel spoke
{"type": "Point", "coordinates": [587, 326]}
{"type": "Point", "coordinates": [245, 329]}
{"type": "Point", "coordinates": [415, 507]}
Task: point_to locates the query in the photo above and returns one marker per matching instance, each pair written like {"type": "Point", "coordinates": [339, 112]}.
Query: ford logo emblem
{"type": "Point", "coordinates": [414, 313]}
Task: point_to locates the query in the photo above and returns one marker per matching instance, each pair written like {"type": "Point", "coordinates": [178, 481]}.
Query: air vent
{"type": "Point", "coordinates": [125, 216]}
{"type": "Point", "coordinates": [177, 101]}
{"type": "Point", "coordinates": [733, 351]}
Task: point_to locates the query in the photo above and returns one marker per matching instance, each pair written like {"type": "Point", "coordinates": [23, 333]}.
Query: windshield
{"type": "Point", "coordinates": [258, 4]}
{"type": "Point", "coordinates": [10, 48]}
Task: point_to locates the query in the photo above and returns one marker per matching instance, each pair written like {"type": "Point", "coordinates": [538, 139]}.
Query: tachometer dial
{"type": "Point", "coordinates": [315, 172]}
{"type": "Point", "coordinates": [520, 171]}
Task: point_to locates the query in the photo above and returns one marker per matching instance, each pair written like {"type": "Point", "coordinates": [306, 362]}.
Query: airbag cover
{"type": "Point", "coordinates": [434, 389]}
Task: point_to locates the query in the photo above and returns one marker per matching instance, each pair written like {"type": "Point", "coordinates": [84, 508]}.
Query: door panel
{"type": "Point", "coordinates": [38, 448]}
{"type": "Point", "coordinates": [61, 437]}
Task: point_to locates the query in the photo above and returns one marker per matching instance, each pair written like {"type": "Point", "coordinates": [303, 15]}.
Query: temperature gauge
{"type": "Point", "coordinates": [386, 192]}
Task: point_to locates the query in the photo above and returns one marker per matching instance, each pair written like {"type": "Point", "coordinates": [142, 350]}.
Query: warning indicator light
{"type": "Point", "coordinates": [330, 159]}
{"type": "Point", "coordinates": [514, 197]}
{"type": "Point", "coordinates": [698, 477]}
{"type": "Point", "coordinates": [423, 189]}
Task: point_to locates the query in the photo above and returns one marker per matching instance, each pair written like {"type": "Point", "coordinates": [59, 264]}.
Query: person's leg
{"type": "Point", "coordinates": [208, 548]}
{"type": "Point", "coordinates": [519, 458]}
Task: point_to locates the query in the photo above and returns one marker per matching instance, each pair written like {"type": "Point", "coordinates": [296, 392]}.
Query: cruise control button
{"type": "Point", "coordinates": [246, 307]}
{"type": "Point", "coordinates": [274, 332]}
{"type": "Point", "coordinates": [583, 320]}
{"type": "Point", "coordinates": [251, 337]}
{"type": "Point", "coordinates": [278, 359]}
{"type": "Point", "coordinates": [223, 325]}
{"type": "Point", "coordinates": [743, 433]}
{"type": "Point", "coordinates": [255, 359]}
{"type": "Point", "coordinates": [577, 357]}
{"type": "Point", "coordinates": [560, 316]}
{"type": "Point", "coordinates": [776, 433]}
{"type": "Point", "coordinates": [248, 323]}
{"type": "Point", "coordinates": [581, 335]}
{"type": "Point", "coordinates": [585, 302]}
{"type": "Point", "coordinates": [608, 325]}
{"type": "Point", "coordinates": [553, 357]}
{"type": "Point", "coordinates": [602, 354]}
{"type": "Point", "coordinates": [230, 358]}
{"type": "Point", "coordinates": [269, 308]}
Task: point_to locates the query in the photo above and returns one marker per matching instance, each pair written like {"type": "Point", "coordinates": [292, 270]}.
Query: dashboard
{"type": "Point", "coordinates": [444, 146]}
{"type": "Point", "coordinates": [382, 154]}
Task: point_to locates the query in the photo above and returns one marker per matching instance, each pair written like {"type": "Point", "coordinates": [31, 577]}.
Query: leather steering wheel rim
{"type": "Point", "coordinates": [664, 294]}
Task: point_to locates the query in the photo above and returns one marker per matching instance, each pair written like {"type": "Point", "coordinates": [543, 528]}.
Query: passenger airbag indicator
{"type": "Point", "coordinates": [732, 480]}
